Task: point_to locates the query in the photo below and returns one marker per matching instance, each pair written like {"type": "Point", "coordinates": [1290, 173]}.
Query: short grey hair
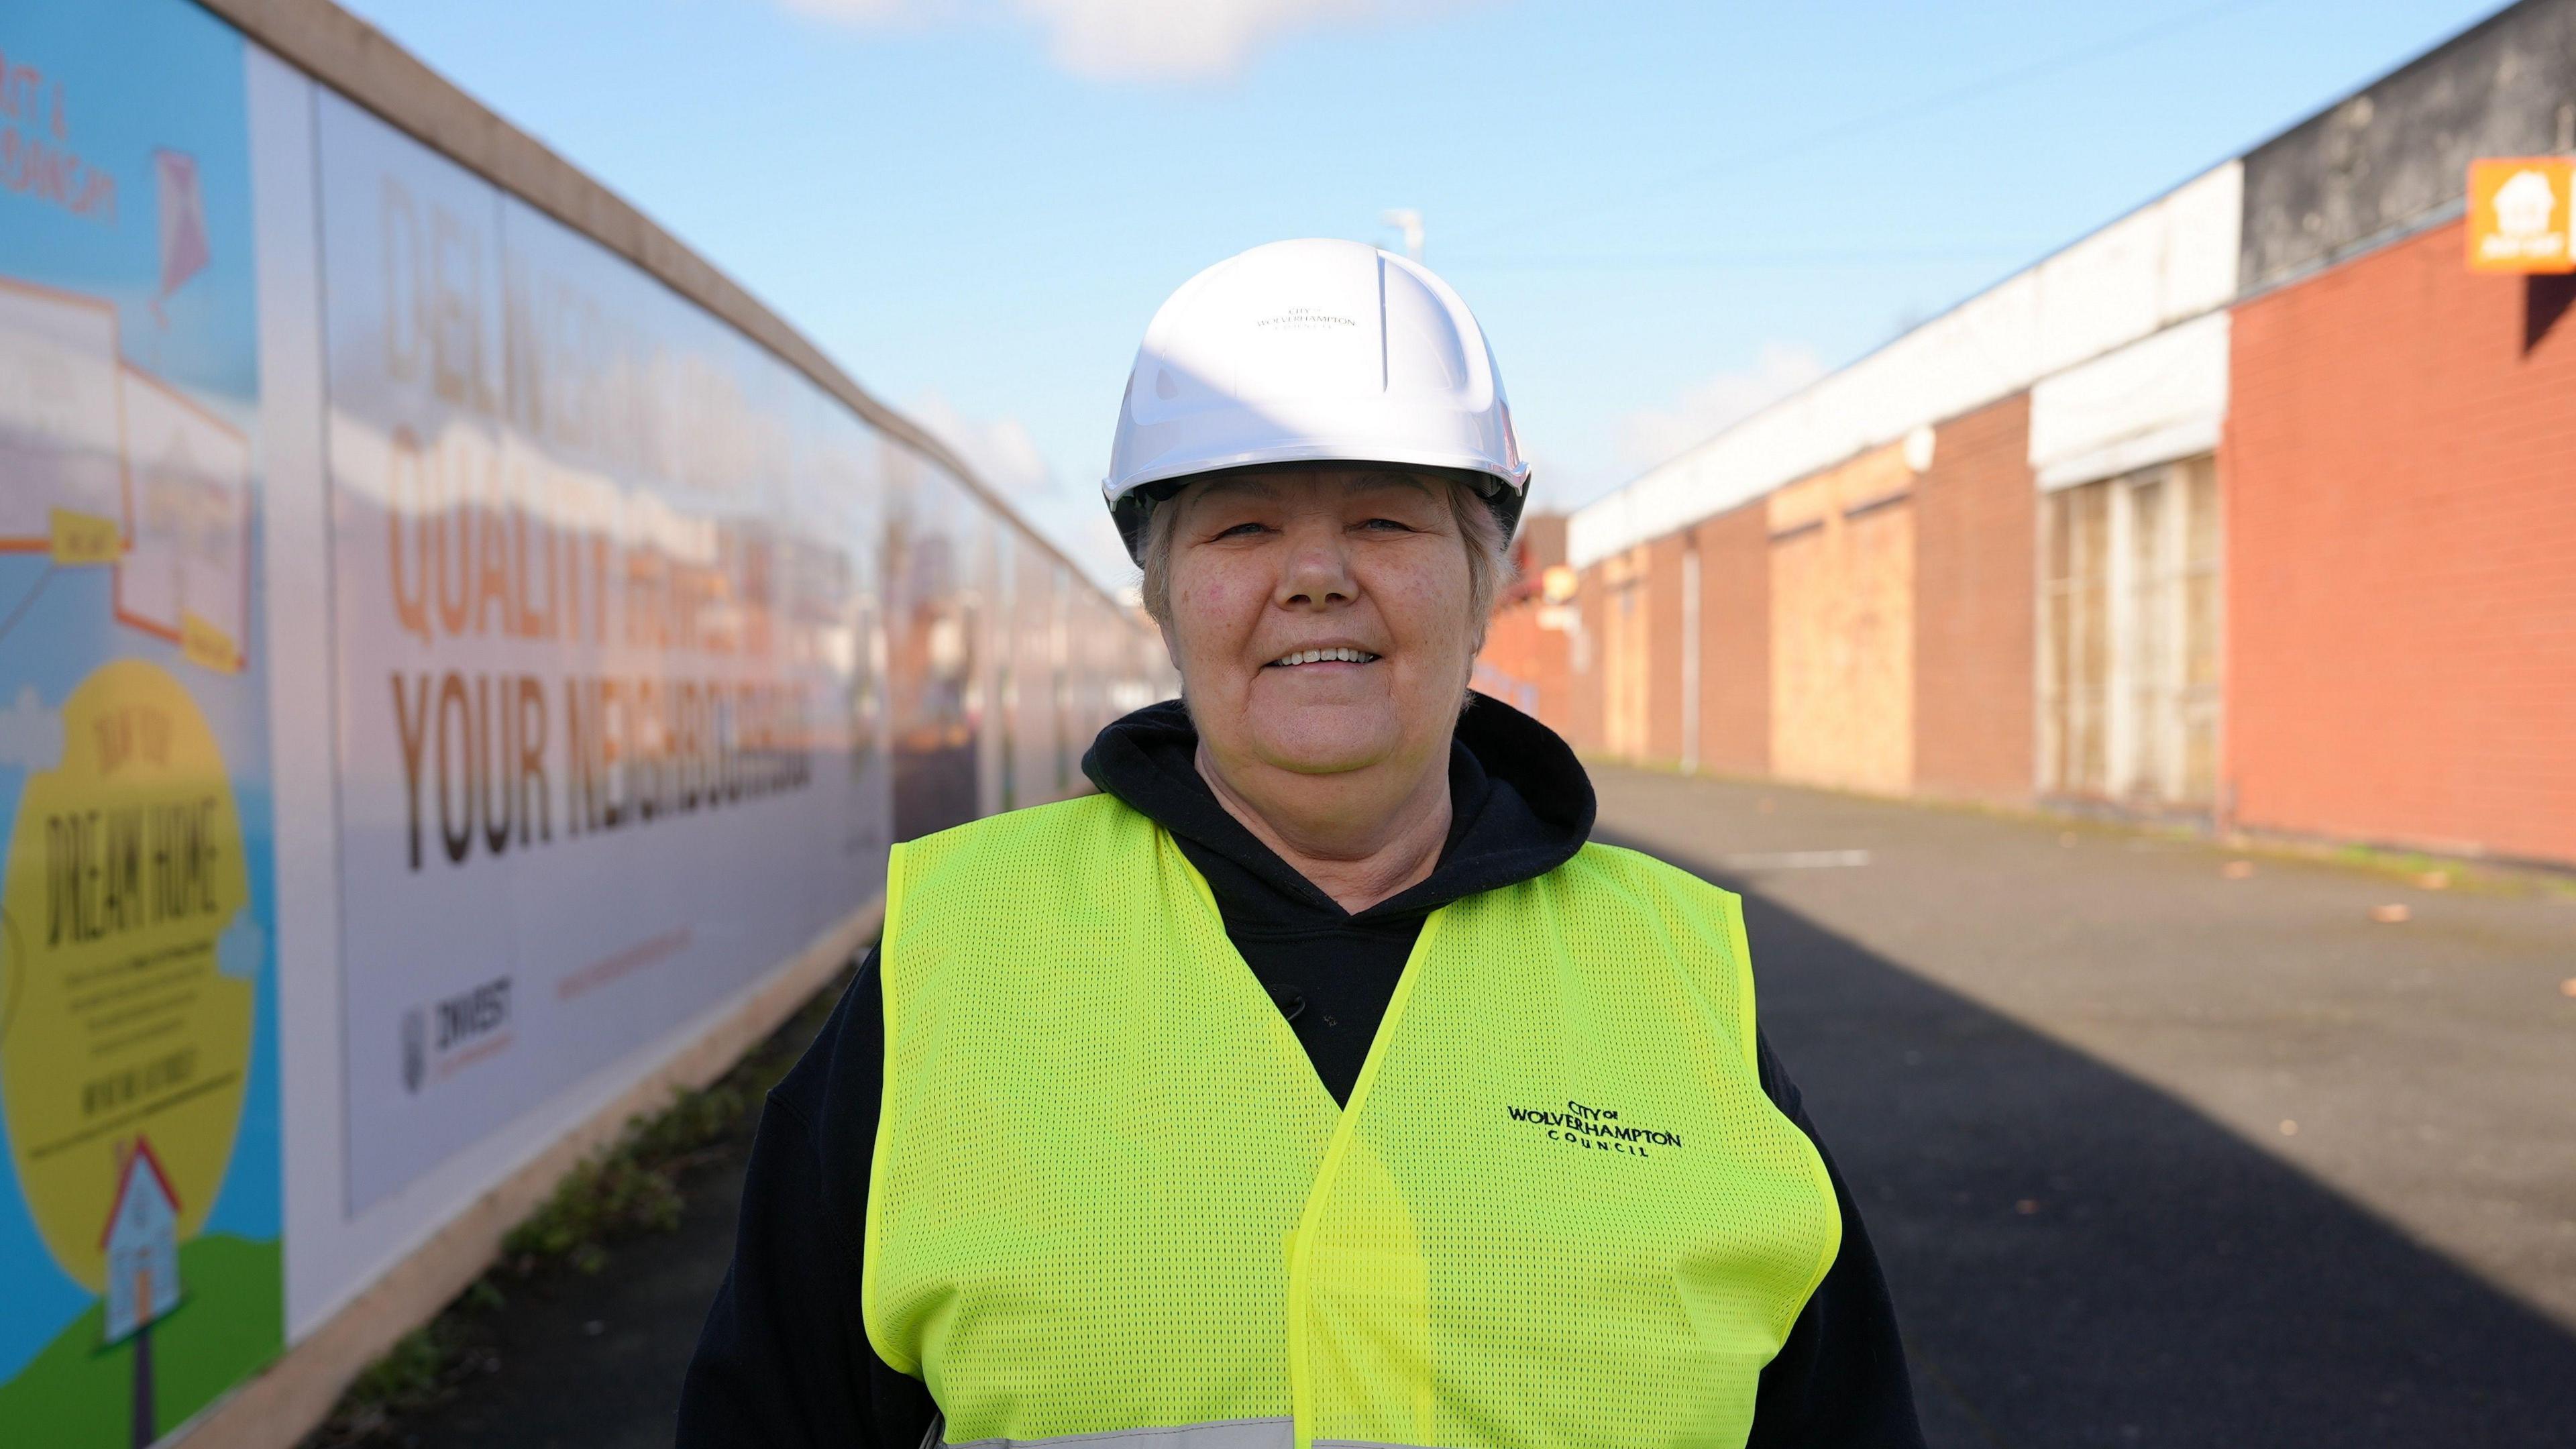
{"type": "Point", "coordinates": [1489, 564]}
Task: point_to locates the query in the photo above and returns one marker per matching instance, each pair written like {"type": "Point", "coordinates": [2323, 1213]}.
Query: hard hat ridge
{"type": "Point", "coordinates": [1311, 351]}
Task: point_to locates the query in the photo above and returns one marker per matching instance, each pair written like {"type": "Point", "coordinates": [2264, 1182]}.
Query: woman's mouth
{"type": "Point", "coordinates": [1322, 656]}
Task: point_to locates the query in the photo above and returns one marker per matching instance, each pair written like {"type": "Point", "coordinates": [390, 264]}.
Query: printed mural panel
{"type": "Point", "coordinates": [607, 745]}
{"type": "Point", "coordinates": [185, 574]}
{"type": "Point", "coordinates": [141, 1224]}
{"type": "Point", "coordinates": [60, 438]}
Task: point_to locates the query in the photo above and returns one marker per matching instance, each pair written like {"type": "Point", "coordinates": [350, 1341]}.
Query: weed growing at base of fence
{"type": "Point", "coordinates": [627, 1189]}
{"type": "Point", "coordinates": [615, 1195]}
{"type": "Point", "coordinates": [412, 1375]}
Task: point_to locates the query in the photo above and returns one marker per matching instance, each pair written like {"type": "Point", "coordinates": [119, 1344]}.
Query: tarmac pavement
{"type": "Point", "coordinates": [2155, 1152]}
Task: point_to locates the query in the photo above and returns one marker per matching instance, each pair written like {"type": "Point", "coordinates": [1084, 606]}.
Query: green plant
{"type": "Point", "coordinates": [408, 1375]}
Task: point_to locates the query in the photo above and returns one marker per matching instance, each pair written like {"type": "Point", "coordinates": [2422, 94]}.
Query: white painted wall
{"type": "Point", "coordinates": [2168, 262]}
{"type": "Point", "coordinates": [2161, 397]}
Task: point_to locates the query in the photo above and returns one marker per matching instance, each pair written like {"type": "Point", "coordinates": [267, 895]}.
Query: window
{"type": "Point", "coordinates": [2129, 638]}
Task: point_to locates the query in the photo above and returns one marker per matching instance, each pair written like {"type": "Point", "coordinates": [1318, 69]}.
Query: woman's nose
{"type": "Point", "coordinates": [1318, 574]}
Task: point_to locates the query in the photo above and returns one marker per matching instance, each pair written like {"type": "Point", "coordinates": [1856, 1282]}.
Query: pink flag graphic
{"type": "Point", "coordinates": [184, 251]}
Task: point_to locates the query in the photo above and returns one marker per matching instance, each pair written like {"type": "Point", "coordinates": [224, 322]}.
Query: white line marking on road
{"type": "Point", "coordinates": [1794, 860]}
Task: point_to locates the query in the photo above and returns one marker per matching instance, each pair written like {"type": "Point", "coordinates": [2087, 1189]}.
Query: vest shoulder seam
{"type": "Point", "coordinates": [1081, 813]}
{"type": "Point", "coordinates": [1663, 872]}
{"type": "Point", "coordinates": [929, 862]}
{"type": "Point", "coordinates": [1026, 815]}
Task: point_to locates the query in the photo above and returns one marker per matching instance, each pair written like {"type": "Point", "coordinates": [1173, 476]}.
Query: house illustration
{"type": "Point", "coordinates": [2524, 204]}
{"type": "Point", "coordinates": [142, 1243]}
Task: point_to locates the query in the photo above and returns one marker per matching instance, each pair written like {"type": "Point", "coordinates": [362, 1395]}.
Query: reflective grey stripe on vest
{"type": "Point", "coordinates": [1223, 1434]}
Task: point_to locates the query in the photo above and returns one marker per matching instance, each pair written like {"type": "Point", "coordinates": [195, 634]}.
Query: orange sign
{"type": "Point", "coordinates": [2519, 214]}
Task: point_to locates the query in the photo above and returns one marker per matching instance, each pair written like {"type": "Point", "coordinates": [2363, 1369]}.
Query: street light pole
{"type": "Point", "coordinates": [1408, 221]}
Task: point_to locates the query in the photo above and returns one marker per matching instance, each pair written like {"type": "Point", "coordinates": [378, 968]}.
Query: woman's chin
{"type": "Point", "coordinates": [1334, 749]}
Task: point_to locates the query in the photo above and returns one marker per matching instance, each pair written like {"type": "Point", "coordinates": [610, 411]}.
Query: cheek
{"type": "Point", "coordinates": [1428, 610]}
{"type": "Point", "coordinates": [1214, 610]}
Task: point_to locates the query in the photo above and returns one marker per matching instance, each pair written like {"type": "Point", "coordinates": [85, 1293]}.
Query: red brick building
{"type": "Point", "coordinates": [1735, 642]}
{"type": "Point", "coordinates": [2255, 507]}
{"type": "Point", "coordinates": [2400, 476]}
{"type": "Point", "coordinates": [1976, 526]}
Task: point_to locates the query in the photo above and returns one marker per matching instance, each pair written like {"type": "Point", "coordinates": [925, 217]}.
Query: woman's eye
{"type": "Point", "coordinates": [1387, 523]}
{"type": "Point", "coordinates": [1240, 530]}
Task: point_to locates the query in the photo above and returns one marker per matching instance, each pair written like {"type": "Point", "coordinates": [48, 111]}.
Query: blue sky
{"type": "Point", "coordinates": [1664, 214]}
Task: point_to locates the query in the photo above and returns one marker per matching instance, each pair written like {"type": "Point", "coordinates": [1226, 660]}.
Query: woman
{"type": "Point", "coordinates": [1317, 1081]}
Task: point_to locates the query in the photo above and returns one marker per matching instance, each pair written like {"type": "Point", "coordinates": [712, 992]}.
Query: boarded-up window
{"type": "Point", "coordinates": [1842, 625]}
{"type": "Point", "coordinates": [1627, 663]}
{"type": "Point", "coordinates": [2129, 632]}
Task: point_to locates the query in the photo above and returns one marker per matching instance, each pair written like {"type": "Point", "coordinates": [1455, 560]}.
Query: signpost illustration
{"type": "Point", "coordinates": [142, 1243]}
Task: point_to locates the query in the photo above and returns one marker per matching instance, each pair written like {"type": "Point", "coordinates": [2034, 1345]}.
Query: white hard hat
{"type": "Point", "coordinates": [1311, 351]}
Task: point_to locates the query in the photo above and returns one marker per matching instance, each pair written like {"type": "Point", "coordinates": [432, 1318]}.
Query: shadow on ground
{"type": "Point", "coordinates": [2080, 1259]}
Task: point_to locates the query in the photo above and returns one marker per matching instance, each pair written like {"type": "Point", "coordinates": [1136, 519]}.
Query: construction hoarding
{"type": "Point", "coordinates": [607, 634]}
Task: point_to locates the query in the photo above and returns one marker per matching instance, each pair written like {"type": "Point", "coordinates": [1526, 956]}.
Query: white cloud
{"type": "Point", "coordinates": [31, 735]}
{"type": "Point", "coordinates": [1002, 452]}
{"type": "Point", "coordinates": [1068, 512]}
{"type": "Point", "coordinates": [1120, 40]}
{"type": "Point", "coordinates": [1706, 408]}
{"type": "Point", "coordinates": [1558, 484]}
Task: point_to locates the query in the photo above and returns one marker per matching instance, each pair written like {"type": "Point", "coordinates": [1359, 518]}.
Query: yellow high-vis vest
{"type": "Point", "coordinates": [1111, 1199]}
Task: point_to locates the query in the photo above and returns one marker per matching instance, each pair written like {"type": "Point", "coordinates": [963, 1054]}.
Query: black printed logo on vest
{"type": "Point", "coordinates": [1595, 1129]}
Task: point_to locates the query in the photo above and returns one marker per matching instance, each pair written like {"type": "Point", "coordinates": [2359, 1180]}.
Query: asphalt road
{"type": "Point", "coordinates": [2160, 1155]}
{"type": "Point", "coordinates": [2060, 1068]}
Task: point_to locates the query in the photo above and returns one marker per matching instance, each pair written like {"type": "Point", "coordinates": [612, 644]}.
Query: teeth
{"type": "Point", "coordinates": [1318, 656]}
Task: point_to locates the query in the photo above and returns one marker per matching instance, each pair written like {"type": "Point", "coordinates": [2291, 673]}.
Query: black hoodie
{"type": "Point", "coordinates": [784, 1360]}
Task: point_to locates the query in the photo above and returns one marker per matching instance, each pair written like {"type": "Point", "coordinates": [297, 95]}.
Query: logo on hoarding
{"type": "Point", "coordinates": [455, 1032]}
{"type": "Point", "coordinates": [415, 1048]}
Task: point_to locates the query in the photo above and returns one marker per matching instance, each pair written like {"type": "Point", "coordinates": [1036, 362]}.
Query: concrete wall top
{"type": "Point", "coordinates": [2161, 397]}
{"type": "Point", "coordinates": [2167, 262]}
{"type": "Point", "coordinates": [359, 61]}
{"type": "Point", "coordinates": [2393, 154]}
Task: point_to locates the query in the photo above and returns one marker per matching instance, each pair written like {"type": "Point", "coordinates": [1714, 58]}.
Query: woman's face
{"type": "Point", "coordinates": [1268, 567]}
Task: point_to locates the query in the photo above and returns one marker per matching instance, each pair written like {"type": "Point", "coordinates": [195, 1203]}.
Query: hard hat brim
{"type": "Point", "coordinates": [1132, 508]}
